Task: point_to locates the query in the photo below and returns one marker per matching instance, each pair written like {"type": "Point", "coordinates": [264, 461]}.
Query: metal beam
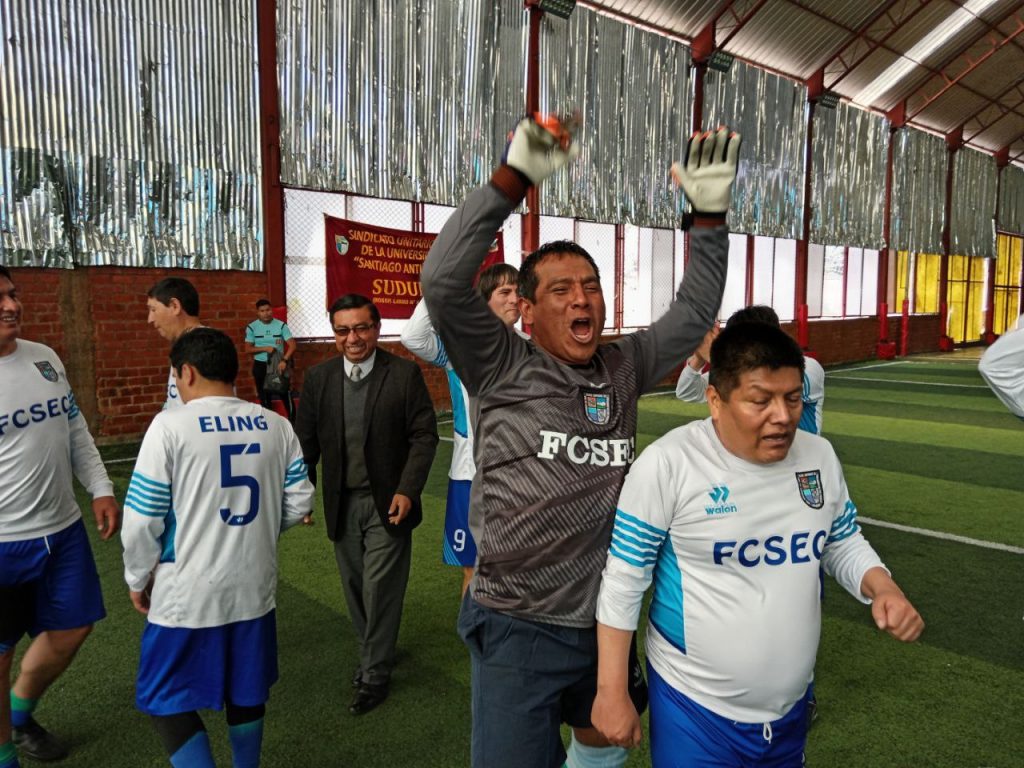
{"type": "Point", "coordinates": [735, 21]}
{"type": "Point", "coordinates": [962, 57]}
{"type": "Point", "coordinates": [999, 106]}
{"type": "Point", "coordinates": [869, 43]}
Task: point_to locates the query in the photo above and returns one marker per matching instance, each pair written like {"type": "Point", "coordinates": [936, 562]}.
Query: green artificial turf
{"type": "Point", "coordinates": [937, 458]}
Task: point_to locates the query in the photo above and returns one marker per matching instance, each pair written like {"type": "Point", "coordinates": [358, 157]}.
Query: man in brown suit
{"type": "Point", "coordinates": [367, 416]}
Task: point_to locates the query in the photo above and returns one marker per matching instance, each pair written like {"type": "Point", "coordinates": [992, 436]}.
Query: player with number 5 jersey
{"type": "Point", "coordinates": [216, 482]}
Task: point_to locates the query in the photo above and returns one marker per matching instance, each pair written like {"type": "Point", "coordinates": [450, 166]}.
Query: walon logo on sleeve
{"type": "Point", "coordinates": [719, 497]}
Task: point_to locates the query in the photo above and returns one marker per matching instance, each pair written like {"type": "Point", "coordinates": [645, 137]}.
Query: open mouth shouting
{"type": "Point", "coordinates": [582, 330]}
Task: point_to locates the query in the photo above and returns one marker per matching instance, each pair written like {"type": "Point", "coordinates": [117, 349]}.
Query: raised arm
{"type": "Point", "coordinates": [479, 344]}
{"type": "Point", "coordinates": [420, 338]}
{"type": "Point", "coordinates": [706, 177]}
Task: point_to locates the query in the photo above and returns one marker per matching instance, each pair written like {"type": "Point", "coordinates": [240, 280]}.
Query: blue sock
{"type": "Point", "coordinates": [21, 710]}
{"type": "Point", "coordinates": [246, 742]}
{"type": "Point", "coordinates": [8, 757]}
{"type": "Point", "coordinates": [194, 753]}
{"type": "Point", "coordinates": [582, 756]}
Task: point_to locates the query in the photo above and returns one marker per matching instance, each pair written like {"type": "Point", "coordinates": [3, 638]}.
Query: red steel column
{"type": "Point", "coordinates": [953, 141]}
{"type": "Point", "coordinates": [271, 190]}
{"type": "Point", "coordinates": [800, 293]}
{"type": "Point", "coordinates": [531, 221]}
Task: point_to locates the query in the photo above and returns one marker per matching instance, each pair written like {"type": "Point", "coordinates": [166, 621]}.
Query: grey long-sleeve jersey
{"type": "Point", "coordinates": [553, 441]}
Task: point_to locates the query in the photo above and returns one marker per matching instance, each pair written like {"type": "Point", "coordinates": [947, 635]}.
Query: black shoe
{"type": "Point", "coordinates": [34, 741]}
{"type": "Point", "coordinates": [357, 677]}
{"type": "Point", "coordinates": [368, 697]}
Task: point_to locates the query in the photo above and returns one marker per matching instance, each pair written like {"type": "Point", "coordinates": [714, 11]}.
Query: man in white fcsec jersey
{"type": "Point", "coordinates": [498, 285]}
{"type": "Point", "coordinates": [216, 482]}
{"type": "Point", "coordinates": [172, 307]}
{"type": "Point", "coordinates": [49, 587]}
{"type": "Point", "coordinates": [731, 518]}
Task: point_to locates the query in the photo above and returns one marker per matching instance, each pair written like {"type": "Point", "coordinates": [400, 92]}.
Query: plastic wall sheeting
{"type": "Point", "coordinates": [972, 230]}
{"type": "Point", "coordinates": [407, 99]}
{"type": "Point", "coordinates": [632, 89]}
{"type": "Point", "coordinates": [848, 177]}
{"type": "Point", "coordinates": [918, 191]}
{"type": "Point", "coordinates": [129, 134]}
{"type": "Point", "coordinates": [769, 111]}
{"type": "Point", "coordinates": [1011, 200]}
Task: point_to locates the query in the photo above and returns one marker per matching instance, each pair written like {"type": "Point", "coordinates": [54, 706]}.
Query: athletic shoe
{"type": "Point", "coordinates": [34, 741]}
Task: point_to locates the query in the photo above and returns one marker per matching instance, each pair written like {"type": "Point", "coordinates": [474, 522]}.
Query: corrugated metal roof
{"type": "Point", "coordinates": [964, 81]}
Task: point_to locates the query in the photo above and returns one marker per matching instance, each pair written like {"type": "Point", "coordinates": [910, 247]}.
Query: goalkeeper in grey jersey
{"type": "Point", "coordinates": [555, 422]}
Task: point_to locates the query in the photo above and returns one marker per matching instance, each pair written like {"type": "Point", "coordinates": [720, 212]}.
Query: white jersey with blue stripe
{"type": "Point", "coordinates": [692, 387]}
{"type": "Point", "coordinates": [43, 441]}
{"type": "Point", "coordinates": [733, 549]}
{"type": "Point", "coordinates": [216, 482]}
{"type": "Point", "coordinates": [420, 338]}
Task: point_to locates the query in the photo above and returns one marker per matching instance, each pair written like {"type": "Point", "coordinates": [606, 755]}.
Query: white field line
{"type": "Point", "coordinates": [907, 381]}
{"type": "Point", "coordinates": [944, 536]}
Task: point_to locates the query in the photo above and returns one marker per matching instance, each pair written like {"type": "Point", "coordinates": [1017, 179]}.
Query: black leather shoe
{"type": "Point", "coordinates": [368, 697]}
{"type": "Point", "coordinates": [34, 741]}
{"type": "Point", "coordinates": [357, 677]}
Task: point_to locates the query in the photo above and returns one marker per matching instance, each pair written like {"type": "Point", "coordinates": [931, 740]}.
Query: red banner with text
{"type": "Point", "coordinates": [380, 263]}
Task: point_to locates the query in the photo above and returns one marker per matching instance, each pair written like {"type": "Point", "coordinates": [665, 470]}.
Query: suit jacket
{"type": "Point", "coordinates": [399, 440]}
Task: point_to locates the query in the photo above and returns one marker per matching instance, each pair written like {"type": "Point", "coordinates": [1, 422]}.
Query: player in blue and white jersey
{"type": "Point", "coordinates": [498, 287]}
{"type": "Point", "coordinates": [49, 587]}
{"type": "Point", "coordinates": [172, 307]}
{"type": "Point", "coordinates": [730, 518]}
{"type": "Point", "coordinates": [692, 385]}
{"type": "Point", "coordinates": [216, 482]}
{"type": "Point", "coordinates": [1002, 368]}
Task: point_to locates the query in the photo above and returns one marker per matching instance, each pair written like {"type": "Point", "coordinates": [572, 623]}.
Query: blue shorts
{"type": "Point", "coordinates": [526, 679]}
{"type": "Point", "coordinates": [683, 733]}
{"type": "Point", "coordinates": [182, 670]}
{"type": "Point", "coordinates": [459, 547]}
{"type": "Point", "coordinates": [48, 583]}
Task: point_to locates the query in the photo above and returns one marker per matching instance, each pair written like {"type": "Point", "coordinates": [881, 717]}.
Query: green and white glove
{"type": "Point", "coordinates": [707, 173]}
{"type": "Point", "coordinates": [537, 153]}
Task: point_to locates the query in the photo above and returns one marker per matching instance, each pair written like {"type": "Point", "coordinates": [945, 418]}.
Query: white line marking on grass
{"type": "Point", "coordinates": [909, 381]}
{"type": "Point", "coordinates": [944, 536]}
{"type": "Point", "coordinates": [864, 367]}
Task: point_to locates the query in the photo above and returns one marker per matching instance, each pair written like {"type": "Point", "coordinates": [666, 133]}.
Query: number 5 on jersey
{"type": "Point", "coordinates": [230, 480]}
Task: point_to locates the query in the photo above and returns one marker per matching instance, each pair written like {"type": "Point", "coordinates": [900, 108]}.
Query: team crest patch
{"type": "Point", "coordinates": [47, 369]}
{"type": "Point", "coordinates": [810, 488]}
{"type": "Point", "coordinates": [341, 244]}
{"type": "Point", "coordinates": [597, 407]}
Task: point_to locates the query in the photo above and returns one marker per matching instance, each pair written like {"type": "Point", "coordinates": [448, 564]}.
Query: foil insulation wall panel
{"type": "Point", "coordinates": [972, 226]}
{"type": "Point", "coordinates": [769, 112]}
{"type": "Point", "coordinates": [1010, 217]}
{"type": "Point", "coordinates": [918, 191]}
{"type": "Point", "coordinates": [848, 162]}
{"type": "Point", "coordinates": [129, 134]}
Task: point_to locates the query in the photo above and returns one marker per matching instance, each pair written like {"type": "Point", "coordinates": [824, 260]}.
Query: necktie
{"type": "Point", "coordinates": [357, 373]}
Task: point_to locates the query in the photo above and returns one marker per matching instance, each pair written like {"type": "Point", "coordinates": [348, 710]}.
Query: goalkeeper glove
{"type": "Point", "coordinates": [708, 171]}
{"type": "Point", "coordinates": [537, 150]}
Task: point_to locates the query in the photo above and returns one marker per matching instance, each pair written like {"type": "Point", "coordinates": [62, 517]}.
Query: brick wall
{"type": "Point", "coordinates": [95, 319]}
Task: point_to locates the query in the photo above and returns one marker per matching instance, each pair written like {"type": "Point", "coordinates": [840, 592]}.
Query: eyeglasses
{"type": "Point", "coordinates": [361, 330]}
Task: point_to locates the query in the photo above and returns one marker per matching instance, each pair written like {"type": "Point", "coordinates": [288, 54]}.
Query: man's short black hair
{"type": "Point", "coordinates": [528, 269]}
{"type": "Point", "coordinates": [354, 301]}
{"type": "Point", "coordinates": [209, 351]}
{"type": "Point", "coordinates": [755, 313]}
{"type": "Point", "coordinates": [6, 273]}
{"type": "Point", "coordinates": [176, 288]}
{"type": "Point", "coordinates": [262, 303]}
{"type": "Point", "coordinates": [496, 276]}
{"type": "Point", "coordinates": [746, 347]}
